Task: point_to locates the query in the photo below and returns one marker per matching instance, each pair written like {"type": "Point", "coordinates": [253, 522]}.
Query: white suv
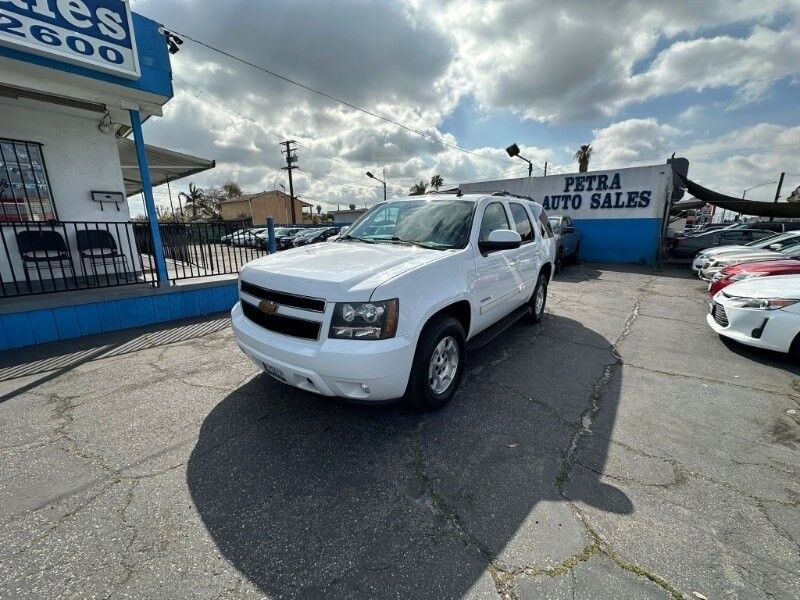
{"type": "Point", "coordinates": [390, 309]}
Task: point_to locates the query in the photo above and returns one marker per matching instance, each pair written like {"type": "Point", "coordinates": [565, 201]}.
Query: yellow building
{"type": "Point", "coordinates": [259, 206]}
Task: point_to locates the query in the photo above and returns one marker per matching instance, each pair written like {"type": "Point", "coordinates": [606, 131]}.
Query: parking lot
{"type": "Point", "coordinates": [618, 450]}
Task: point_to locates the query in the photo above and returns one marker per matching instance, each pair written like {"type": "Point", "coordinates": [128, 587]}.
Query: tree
{"type": "Point", "coordinates": [319, 208]}
{"type": "Point", "coordinates": [231, 189]}
{"type": "Point", "coordinates": [418, 189]}
{"type": "Point", "coordinates": [352, 206]}
{"type": "Point", "coordinates": [583, 156]}
{"type": "Point", "coordinates": [437, 182]}
{"type": "Point", "coordinates": [193, 199]}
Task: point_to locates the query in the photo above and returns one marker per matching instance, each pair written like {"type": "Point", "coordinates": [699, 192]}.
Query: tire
{"type": "Point", "coordinates": [559, 260]}
{"type": "Point", "coordinates": [575, 257]}
{"type": "Point", "coordinates": [441, 333]}
{"type": "Point", "coordinates": [537, 313]}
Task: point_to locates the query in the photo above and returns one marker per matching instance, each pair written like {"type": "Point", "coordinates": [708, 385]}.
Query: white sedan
{"type": "Point", "coordinates": [775, 242]}
{"type": "Point", "coordinates": [764, 313]}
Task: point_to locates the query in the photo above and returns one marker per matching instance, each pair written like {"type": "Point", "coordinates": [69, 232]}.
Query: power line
{"type": "Point", "coordinates": [339, 100]}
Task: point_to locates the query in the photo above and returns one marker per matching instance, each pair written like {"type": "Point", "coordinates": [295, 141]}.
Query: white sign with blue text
{"type": "Point", "coordinates": [633, 193]}
{"type": "Point", "coordinates": [95, 34]}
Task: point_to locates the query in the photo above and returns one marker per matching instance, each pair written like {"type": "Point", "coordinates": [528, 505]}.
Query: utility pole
{"type": "Point", "coordinates": [291, 160]}
{"type": "Point", "coordinates": [545, 169]}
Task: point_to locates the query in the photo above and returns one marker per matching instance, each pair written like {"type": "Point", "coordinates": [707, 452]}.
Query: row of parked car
{"type": "Point", "coordinates": [754, 286]}
{"type": "Point", "coordinates": [285, 237]}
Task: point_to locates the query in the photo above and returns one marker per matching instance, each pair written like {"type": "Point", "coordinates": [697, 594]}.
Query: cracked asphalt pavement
{"type": "Point", "coordinates": [618, 450]}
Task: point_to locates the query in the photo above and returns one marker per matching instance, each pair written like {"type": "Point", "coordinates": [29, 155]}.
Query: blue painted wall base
{"type": "Point", "coordinates": [631, 241]}
{"type": "Point", "coordinates": [28, 328]}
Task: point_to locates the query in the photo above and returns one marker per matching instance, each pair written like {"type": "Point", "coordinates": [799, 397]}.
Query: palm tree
{"type": "Point", "coordinates": [193, 199]}
{"type": "Point", "coordinates": [583, 156]}
{"type": "Point", "coordinates": [418, 189]}
{"type": "Point", "coordinates": [437, 182]}
{"type": "Point", "coordinates": [319, 208]}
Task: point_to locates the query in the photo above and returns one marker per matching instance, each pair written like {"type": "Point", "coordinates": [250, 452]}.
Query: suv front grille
{"type": "Point", "coordinates": [303, 302]}
{"type": "Point", "coordinates": [292, 326]}
{"type": "Point", "coordinates": [719, 314]}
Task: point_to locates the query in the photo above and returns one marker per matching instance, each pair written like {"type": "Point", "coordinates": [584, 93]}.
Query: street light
{"type": "Point", "coordinates": [383, 181]}
{"type": "Point", "coordinates": [744, 193]}
{"type": "Point", "coordinates": [513, 150]}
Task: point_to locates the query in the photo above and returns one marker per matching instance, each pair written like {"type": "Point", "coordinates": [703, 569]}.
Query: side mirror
{"type": "Point", "coordinates": [776, 247]}
{"type": "Point", "coordinates": [500, 239]}
{"type": "Point", "coordinates": [568, 230]}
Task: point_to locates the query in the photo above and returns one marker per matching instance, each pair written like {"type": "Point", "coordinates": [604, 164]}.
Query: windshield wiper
{"type": "Point", "coordinates": [428, 245]}
{"type": "Point", "coordinates": [358, 239]}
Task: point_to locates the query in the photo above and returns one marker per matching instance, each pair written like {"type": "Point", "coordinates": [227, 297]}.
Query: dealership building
{"type": "Point", "coordinates": [622, 214]}
{"type": "Point", "coordinates": [77, 80]}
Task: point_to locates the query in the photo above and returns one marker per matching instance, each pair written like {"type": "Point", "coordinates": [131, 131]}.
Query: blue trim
{"type": "Point", "coordinates": [18, 330]}
{"type": "Point", "coordinates": [154, 63]}
{"type": "Point", "coordinates": [631, 241]}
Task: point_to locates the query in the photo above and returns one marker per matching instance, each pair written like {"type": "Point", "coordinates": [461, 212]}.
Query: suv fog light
{"type": "Point", "coordinates": [365, 388]}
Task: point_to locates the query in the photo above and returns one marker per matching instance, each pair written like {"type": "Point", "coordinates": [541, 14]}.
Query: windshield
{"type": "Point", "coordinates": [772, 239]}
{"type": "Point", "coordinates": [438, 224]}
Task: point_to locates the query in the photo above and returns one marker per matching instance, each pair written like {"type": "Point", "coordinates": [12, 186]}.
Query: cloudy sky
{"type": "Point", "coordinates": [715, 81]}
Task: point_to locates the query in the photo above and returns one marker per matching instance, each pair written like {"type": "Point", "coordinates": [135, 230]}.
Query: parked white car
{"type": "Point", "coordinates": [714, 266]}
{"type": "Point", "coordinates": [389, 309]}
{"type": "Point", "coordinates": [761, 312]}
{"type": "Point", "coordinates": [776, 243]}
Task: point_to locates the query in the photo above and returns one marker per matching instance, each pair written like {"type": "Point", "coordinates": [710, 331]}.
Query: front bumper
{"type": "Point", "coordinates": [777, 328]}
{"type": "Point", "coordinates": [368, 371]}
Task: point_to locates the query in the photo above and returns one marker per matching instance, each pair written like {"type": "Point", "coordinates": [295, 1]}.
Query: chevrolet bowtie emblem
{"type": "Point", "coordinates": [268, 307]}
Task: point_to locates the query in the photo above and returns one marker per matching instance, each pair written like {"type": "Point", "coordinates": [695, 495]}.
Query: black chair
{"type": "Point", "coordinates": [98, 247]}
{"type": "Point", "coordinates": [41, 251]}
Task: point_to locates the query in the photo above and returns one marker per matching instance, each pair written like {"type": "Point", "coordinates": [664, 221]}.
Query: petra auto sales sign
{"type": "Point", "coordinates": [95, 34]}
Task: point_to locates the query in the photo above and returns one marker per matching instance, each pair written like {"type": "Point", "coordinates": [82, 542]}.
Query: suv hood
{"type": "Point", "coordinates": [337, 271]}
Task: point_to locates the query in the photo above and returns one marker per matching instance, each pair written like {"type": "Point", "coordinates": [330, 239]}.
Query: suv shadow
{"type": "Point", "coordinates": [311, 497]}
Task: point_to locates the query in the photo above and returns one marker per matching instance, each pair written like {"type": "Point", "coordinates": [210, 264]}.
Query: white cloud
{"type": "Point", "coordinates": [413, 60]}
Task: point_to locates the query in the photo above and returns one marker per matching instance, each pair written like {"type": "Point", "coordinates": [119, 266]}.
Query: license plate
{"type": "Point", "coordinates": [276, 373]}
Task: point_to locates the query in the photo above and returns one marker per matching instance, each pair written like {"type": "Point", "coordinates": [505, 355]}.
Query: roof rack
{"type": "Point", "coordinates": [504, 193]}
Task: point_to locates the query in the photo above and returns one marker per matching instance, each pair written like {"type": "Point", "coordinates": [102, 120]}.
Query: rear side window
{"type": "Point", "coordinates": [494, 218]}
{"type": "Point", "coordinates": [522, 222]}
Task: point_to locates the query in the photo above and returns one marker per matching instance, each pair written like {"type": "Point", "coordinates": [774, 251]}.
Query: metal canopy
{"type": "Point", "coordinates": [785, 210]}
{"type": "Point", "coordinates": [166, 166]}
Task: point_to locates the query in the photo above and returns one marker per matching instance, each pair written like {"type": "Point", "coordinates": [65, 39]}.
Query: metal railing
{"type": "Point", "coordinates": [49, 257]}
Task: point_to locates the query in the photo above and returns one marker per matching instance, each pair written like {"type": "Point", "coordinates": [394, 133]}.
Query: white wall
{"type": "Point", "coordinates": [79, 157]}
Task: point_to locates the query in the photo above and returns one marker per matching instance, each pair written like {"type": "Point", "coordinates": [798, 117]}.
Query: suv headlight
{"type": "Point", "coordinates": [364, 320]}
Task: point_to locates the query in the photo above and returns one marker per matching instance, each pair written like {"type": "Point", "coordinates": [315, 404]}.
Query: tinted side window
{"type": "Point", "coordinates": [522, 222]}
{"type": "Point", "coordinates": [494, 218]}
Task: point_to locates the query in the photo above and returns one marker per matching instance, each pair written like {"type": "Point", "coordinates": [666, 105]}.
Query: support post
{"type": "Point", "coordinates": [149, 200]}
{"type": "Point", "coordinates": [778, 192]}
{"type": "Point", "coordinates": [271, 244]}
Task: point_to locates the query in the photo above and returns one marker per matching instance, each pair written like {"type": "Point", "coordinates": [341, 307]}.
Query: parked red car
{"type": "Point", "coordinates": [734, 273]}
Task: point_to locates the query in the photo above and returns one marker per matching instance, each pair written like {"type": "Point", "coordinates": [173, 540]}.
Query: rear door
{"type": "Point", "coordinates": [497, 284]}
{"type": "Point", "coordinates": [528, 258]}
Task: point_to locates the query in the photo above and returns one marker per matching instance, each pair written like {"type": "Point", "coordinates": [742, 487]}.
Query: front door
{"type": "Point", "coordinates": [497, 286]}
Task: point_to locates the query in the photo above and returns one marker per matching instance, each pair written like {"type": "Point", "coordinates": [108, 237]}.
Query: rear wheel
{"type": "Point", "coordinates": [438, 364]}
{"type": "Point", "coordinates": [559, 260]}
{"type": "Point", "coordinates": [575, 256]}
{"type": "Point", "coordinates": [538, 300]}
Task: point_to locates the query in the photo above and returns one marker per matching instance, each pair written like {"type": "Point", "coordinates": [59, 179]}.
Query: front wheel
{"type": "Point", "coordinates": [538, 300]}
{"type": "Point", "coordinates": [438, 364]}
